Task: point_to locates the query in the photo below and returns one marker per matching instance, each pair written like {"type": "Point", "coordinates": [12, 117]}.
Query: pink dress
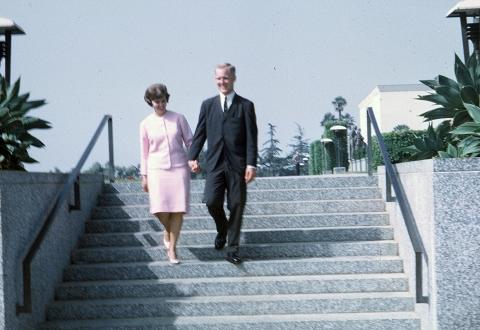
{"type": "Point", "coordinates": [164, 160]}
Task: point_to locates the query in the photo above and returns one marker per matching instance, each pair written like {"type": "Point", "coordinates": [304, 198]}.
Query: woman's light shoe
{"type": "Point", "coordinates": [166, 244]}
{"type": "Point", "coordinates": [172, 260]}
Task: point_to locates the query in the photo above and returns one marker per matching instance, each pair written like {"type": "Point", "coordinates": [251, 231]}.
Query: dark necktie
{"type": "Point", "coordinates": [225, 105]}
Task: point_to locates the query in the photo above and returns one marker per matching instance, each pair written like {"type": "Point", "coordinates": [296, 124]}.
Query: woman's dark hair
{"type": "Point", "coordinates": [156, 91]}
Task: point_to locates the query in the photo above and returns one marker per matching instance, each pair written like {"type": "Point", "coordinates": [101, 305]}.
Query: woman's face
{"type": "Point", "coordinates": [160, 105]}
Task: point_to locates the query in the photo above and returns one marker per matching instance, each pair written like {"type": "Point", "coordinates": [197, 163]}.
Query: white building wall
{"type": "Point", "coordinates": [395, 105]}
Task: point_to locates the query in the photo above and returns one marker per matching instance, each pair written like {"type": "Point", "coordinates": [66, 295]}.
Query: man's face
{"type": "Point", "coordinates": [224, 80]}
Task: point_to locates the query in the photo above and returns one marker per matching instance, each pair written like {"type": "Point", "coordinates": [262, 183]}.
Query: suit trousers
{"type": "Point", "coordinates": [233, 183]}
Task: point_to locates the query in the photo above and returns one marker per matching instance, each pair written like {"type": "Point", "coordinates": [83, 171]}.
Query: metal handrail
{"type": "Point", "coordinates": [49, 215]}
{"type": "Point", "coordinates": [401, 198]}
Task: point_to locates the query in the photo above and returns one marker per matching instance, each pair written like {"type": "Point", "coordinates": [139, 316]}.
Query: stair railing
{"type": "Point", "coordinates": [49, 215]}
{"type": "Point", "coordinates": [392, 179]}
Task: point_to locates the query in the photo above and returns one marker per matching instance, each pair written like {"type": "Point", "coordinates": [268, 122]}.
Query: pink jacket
{"type": "Point", "coordinates": [161, 141]}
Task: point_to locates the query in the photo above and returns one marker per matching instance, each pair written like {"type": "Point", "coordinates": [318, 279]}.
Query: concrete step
{"type": "Point", "coordinates": [204, 237]}
{"type": "Point", "coordinates": [222, 286]}
{"type": "Point", "coordinates": [286, 182]}
{"type": "Point", "coordinates": [249, 222]}
{"type": "Point", "coordinates": [213, 269]}
{"type": "Point", "coordinates": [276, 195]}
{"type": "Point", "coordinates": [258, 208]}
{"type": "Point", "coordinates": [333, 321]}
{"type": "Point", "coordinates": [225, 305]}
{"type": "Point", "coordinates": [249, 251]}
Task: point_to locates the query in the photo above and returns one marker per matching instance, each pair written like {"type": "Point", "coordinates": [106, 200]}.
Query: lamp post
{"type": "Point", "coordinates": [336, 129]}
{"type": "Point", "coordinates": [324, 142]}
{"type": "Point", "coordinates": [470, 31]}
{"type": "Point", "coordinates": [7, 28]}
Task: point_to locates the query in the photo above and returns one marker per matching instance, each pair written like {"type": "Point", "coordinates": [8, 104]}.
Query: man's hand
{"type": "Point", "coordinates": [194, 166]}
{"type": "Point", "coordinates": [144, 183]}
{"type": "Point", "coordinates": [250, 174]}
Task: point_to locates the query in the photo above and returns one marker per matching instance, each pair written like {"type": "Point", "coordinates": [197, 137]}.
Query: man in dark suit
{"type": "Point", "coordinates": [227, 121]}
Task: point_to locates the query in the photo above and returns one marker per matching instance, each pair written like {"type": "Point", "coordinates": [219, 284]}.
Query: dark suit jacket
{"type": "Point", "coordinates": [231, 136]}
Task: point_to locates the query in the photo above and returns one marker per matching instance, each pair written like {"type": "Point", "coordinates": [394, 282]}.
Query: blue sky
{"type": "Point", "coordinates": [92, 57]}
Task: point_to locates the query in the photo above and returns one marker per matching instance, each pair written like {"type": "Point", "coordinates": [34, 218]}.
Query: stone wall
{"type": "Point", "coordinates": [23, 198]}
{"type": "Point", "coordinates": [445, 200]}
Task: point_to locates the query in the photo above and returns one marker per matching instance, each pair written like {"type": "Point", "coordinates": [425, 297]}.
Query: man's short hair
{"type": "Point", "coordinates": [230, 68]}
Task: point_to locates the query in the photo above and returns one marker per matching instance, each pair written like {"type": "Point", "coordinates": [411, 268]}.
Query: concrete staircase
{"type": "Point", "coordinates": [319, 254]}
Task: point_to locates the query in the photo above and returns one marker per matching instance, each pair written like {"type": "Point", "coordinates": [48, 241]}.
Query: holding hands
{"type": "Point", "coordinates": [144, 183]}
{"type": "Point", "coordinates": [194, 166]}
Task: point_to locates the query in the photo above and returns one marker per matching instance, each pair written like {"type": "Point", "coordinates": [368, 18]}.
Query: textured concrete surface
{"type": "Point", "coordinates": [205, 269]}
{"type": "Point", "coordinates": [342, 321]}
{"type": "Point", "coordinates": [319, 253]}
{"type": "Point", "coordinates": [443, 194]}
{"type": "Point", "coordinates": [24, 196]}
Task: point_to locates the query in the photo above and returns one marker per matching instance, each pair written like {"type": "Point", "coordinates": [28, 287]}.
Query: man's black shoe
{"type": "Point", "coordinates": [233, 258]}
{"type": "Point", "coordinates": [220, 241]}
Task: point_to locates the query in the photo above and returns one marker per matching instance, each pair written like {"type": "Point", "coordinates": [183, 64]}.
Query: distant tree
{"type": "Point", "coordinates": [348, 121]}
{"type": "Point", "coordinates": [401, 127]}
{"type": "Point", "coordinates": [327, 118]}
{"type": "Point", "coordinates": [270, 160]}
{"type": "Point", "coordinates": [126, 172]}
{"type": "Point", "coordinates": [56, 170]}
{"type": "Point", "coordinates": [299, 151]}
{"type": "Point", "coordinates": [339, 104]}
{"type": "Point", "coordinates": [95, 168]}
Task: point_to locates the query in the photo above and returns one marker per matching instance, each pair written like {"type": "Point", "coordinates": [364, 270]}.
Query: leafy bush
{"type": "Point", "coordinates": [458, 102]}
{"type": "Point", "coordinates": [319, 160]}
{"type": "Point", "coordinates": [15, 139]}
{"type": "Point", "coordinates": [397, 144]}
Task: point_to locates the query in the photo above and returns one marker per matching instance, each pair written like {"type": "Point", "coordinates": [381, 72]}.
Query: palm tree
{"type": "Point", "coordinates": [339, 103]}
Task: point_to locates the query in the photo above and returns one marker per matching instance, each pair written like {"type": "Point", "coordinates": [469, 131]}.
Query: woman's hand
{"type": "Point", "coordinates": [144, 183]}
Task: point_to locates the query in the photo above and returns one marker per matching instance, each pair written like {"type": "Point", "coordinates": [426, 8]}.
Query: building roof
{"type": "Point", "coordinates": [469, 7]}
{"type": "Point", "coordinates": [403, 88]}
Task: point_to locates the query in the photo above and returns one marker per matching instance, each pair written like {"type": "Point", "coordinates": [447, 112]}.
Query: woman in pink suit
{"type": "Point", "coordinates": [163, 165]}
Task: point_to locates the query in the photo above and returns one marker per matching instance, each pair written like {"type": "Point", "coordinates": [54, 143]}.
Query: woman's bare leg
{"type": "Point", "coordinates": [176, 221]}
{"type": "Point", "coordinates": [165, 219]}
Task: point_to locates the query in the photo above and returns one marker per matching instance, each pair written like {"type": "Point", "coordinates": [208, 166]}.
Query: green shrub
{"type": "Point", "coordinates": [458, 102]}
{"type": "Point", "coordinates": [396, 143]}
{"type": "Point", "coordinates": [319, 160]}
{"type": "Point", "coordinates": [15, 139]}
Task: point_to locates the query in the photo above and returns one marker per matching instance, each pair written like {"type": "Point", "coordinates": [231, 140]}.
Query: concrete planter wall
{"type": "Point", "coordinates": [444, 195]}
{"type": "Point", "coordinates": [23, 198]}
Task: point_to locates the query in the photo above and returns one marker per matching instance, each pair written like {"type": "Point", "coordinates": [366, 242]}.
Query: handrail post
{"type": "Point", "coordinates": [369, 145]}
{"type": "Point", "coordinates": [388, 188]}
{"type": "Point", "coordinates": [76, 196]}
{"type": "Point", "coordinates": [111, 165]}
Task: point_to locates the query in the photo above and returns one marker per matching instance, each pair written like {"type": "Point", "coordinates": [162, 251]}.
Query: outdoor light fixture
{"type": "Point", "coordinates": [470, 31]}
{"type": "Point", "coordinates": [336, 129]}
{"type": "Point", "coordinates": [7, 28]}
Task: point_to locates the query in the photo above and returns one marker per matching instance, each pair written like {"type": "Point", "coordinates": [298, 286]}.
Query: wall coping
{"type": "Point", "coordinates": [438, 165]}
{"type": "Point", "coordinates": [20, 177]}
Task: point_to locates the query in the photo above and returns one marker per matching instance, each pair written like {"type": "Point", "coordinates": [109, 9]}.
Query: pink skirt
{"type": "Point", "coordinates": [169, 190]}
